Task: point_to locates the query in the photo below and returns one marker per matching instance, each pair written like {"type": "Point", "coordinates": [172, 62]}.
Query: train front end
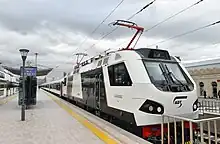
{"type": "Point", "coordinates": [171, 91]}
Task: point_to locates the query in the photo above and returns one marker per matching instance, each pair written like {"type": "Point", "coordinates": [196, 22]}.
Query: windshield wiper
{"type": "Point", "coordinates": [170, 73]}
{"type": "Point", "coordinates": [165, 76]}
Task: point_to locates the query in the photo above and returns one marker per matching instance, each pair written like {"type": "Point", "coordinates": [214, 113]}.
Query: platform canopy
{"type": "Point", "coordinates": [40, 72]}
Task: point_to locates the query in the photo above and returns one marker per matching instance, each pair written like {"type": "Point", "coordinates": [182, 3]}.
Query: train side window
{"type": "Point", "coordinates": [118, 75]}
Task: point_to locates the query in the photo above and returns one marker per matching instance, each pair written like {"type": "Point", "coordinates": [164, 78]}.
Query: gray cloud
{"type": "Point", "coordinates": [55, 29]}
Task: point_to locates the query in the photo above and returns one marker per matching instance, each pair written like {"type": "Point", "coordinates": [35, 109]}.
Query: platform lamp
{"type": "Point", "coordinates": [24, 53]}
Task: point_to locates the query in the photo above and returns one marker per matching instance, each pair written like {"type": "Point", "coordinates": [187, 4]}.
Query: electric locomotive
{"type": "Point", "coordinates": [134, 86]}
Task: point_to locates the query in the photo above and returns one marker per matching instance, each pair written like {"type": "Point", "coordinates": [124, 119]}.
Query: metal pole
{"type": "Point", "coordinates": [36, 59]}
{"type": "Point", "coordinates": [23, 99]}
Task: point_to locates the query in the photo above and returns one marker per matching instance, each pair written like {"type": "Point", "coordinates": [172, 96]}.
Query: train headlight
{"type": "Point", "coordinates": [195, 105]}
{"type": "Point", "coordinates": [152, 107]}
{"type": "Point", "coordinates": [159, 109]}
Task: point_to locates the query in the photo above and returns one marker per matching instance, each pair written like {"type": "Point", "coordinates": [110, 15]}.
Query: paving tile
{"type": "Point", "coordinates": [46, 123]}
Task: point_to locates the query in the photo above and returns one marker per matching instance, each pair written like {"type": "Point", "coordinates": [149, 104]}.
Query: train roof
{"type": "Point", "coordinates": [147, 53]}
{"type": "Point", "coordinates": [113, 57]}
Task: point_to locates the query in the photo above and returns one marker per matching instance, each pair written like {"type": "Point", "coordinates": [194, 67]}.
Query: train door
{"type": "Point", "coordinates": [69, 86]}
{"type": "Point", "coordinates": [61, 89]}
{"type": "Point", "coordinates": [97, 91]}
{"type": "Point", "coordinates": [64, 91]}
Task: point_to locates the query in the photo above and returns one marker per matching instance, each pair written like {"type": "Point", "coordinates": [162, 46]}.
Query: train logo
{"type": "Point", "coordinates": [178, 100]}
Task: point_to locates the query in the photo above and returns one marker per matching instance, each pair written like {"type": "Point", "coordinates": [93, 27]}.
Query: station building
{"type": "Point", "coordinates": [206, 74]}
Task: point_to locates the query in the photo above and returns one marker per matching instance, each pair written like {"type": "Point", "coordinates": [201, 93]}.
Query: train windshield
{"type": "Point", "coordinates": [168, 76]}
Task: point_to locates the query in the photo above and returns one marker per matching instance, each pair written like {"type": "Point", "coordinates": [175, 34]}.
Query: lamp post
{"type": "Point", "coordinates": [24, 53]}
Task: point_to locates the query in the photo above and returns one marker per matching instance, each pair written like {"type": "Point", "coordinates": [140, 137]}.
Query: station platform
{"type": "Point", "coordinates": [54, 120]}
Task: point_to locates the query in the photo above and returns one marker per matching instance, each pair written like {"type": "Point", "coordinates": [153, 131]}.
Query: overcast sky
{"type": "Point", "coordinates": [56, 28]}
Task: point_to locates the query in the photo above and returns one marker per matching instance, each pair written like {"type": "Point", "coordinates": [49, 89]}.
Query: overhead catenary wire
{"type": "Point", "coordinates": [215, 44]}
{"type": "Point", "coordinates": [170, 17]}
{"type": "Point", "coordinates": [96, 28]}
{"type": "Point", "coordinates": [180, 44]}
{"type": "Point", "coordinates": [174, 15]}
{"type": "Point", "coordinates": [132, 16]}
{"type": "Point", "coordinates": [100, 24]}
{"type": "Point", "coordinates": [146, 6]}
{"type": "Point", "coordinates": [188, 32]}
{"type": "Point", "coordinates": [104, 36]}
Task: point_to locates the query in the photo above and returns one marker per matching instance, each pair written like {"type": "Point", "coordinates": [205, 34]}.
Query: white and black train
{"type": "Point", "coordinates": [135, 86]}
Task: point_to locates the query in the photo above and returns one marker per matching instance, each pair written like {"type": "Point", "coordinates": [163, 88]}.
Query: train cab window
{"type": "Point", "coordinates": [118, 75]}
{"type": "Point", "coordinates": [168, 76]}
{"type": "Point", "coordinates": [155, 72]}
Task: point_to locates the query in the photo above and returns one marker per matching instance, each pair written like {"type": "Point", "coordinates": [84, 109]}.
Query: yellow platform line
{"type": "Point", "coordinates": [101, 134]}
{"type": "Point", "coordinates": [7, 99]}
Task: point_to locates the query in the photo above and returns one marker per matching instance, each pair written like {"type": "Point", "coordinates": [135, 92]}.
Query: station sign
{"type": "Point", "coordinates": [29, 71]}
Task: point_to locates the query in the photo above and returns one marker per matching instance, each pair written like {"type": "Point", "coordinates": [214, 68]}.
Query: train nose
{"type": "Point", "coordinates": [183, 104]}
